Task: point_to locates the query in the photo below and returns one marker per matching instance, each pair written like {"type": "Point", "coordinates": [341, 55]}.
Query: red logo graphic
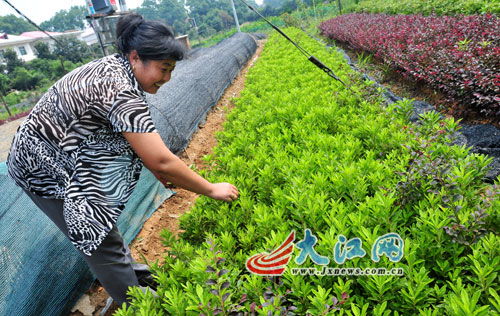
{"type": "Point", "coordinates": [275, 262]}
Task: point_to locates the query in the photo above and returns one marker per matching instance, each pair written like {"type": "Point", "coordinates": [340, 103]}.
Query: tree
{"type": "Point", "coordinates": [11, 24]}
{"type": "Point", "coordinates": [277, 7]}
{"type": "Point", "coordinates": [213, 20]}
{"type": "Point", "coordinates": [289, 6]}
{"type": "Point", "coordinates": [96, 50]}
{"type": "Point", "coordinates": [4, 84]}
{"type": "Point", "coordinates": [244, 13]}
{"type": "Point", "coordinates": [174, 14]}
{"type": "Point", "coordinates": [171, 12]}
{"type": "Point", "coordinates": [4, 87]}
{"type": "Point", "coordinates": [149, 10]}
{"type": "Point", "coordinates": [65, 20]}
{"type": "Point", "coordinates": [43, 51]}
{"type": "Point", "coordinates": [227, 20]}
{"type": "Point", "coordinates": [46, 67]}
{"type": "Point", "coordinates": [73, 49]}
{"type": "Point", "coordinates": [274, 3]}
{"type": "Point", "coordinates": [12, 60]}
{"type": "Point", "coordinates": [22, 79]}
{"type": "Point", "coordinates": [208, 13]}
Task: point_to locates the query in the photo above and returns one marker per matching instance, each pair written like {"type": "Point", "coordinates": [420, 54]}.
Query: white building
{"type": "Point", "coordinates": [24, 44]}
{"type": "Point", "coordinates": [88, 36]}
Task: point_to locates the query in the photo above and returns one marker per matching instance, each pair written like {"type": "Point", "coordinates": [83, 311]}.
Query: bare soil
{"type": "Point", "coordinates": [7, 132]}
{"type": "Point", "coordinates": [148, 242]}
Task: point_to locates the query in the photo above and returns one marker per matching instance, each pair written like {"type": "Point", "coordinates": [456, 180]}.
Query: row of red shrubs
{"type": "Point", "coordinates": [15, 117]}
{"type": "Point", "coordinates": [460, 55]}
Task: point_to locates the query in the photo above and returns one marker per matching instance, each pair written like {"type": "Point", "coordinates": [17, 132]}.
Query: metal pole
{"type": "Point", "coordinates": [235, 16]}
{"type": "Point", "coordinates": [33, 23]}
{"type": "Point", "coordinates": [91, 20]}
{"type": "Point", "coordinates": [315, 13]}
{"type": "Point", "coordinates": [123, 5]}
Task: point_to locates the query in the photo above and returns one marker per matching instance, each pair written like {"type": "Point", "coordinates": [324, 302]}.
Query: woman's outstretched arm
{"type": "Point", "coordinates": [167, 167]}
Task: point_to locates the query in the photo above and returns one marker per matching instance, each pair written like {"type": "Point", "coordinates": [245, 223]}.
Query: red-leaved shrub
{"type": "Point", "coordinates": [460, 55]}
{"type": "Point", "coordinates": [15, 117]}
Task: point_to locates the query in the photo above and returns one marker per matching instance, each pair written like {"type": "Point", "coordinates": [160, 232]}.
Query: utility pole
{"type": "Point", "coordinates": [194, 25]}
{"type": "Point", "coordinates": [235, 16]}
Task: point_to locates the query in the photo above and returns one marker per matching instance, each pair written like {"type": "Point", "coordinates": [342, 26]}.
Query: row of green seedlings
{"type": "Point", "coordinates": [306, 153]}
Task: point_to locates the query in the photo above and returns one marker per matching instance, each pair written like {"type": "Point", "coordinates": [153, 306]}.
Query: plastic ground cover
{"type": "Point", "coordinates": [41, 273]}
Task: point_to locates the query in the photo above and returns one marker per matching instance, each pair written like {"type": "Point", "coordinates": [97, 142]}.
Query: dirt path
{"type": "Point", "coordinates": [148, 242]}
{"type": "Point", "coordinates": [7, 132]}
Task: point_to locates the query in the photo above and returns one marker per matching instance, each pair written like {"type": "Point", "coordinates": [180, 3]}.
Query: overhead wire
{"type": "Point", "coordinates": [318, 39]}
{"type": "Point", "coordinates": [318, 63]}
{"type": "Point", "coordinates": [33, 23]}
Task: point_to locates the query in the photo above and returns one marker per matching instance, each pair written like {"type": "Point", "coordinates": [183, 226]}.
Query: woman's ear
{"type": "Point", "coordinates": [133, 57]}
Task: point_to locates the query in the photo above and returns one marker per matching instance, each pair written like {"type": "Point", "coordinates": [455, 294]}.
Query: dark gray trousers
{"type": "Point", "coordinates": [111, 262]}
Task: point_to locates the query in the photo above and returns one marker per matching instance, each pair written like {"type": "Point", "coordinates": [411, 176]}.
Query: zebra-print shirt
{"type": "Point", "coordinates": [70, 147]}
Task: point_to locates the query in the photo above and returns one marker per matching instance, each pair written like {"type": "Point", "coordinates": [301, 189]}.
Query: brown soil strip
{"type": "Point", "coordinates": [148, 242]}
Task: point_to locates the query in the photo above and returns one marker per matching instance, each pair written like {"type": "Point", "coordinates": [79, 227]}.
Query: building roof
{"type": "Point", "coordinates": [28, 37]}
{"type": "Point", "coordinates": [14, 39]}
{"type": "Point", "coordinates": [38, 34]}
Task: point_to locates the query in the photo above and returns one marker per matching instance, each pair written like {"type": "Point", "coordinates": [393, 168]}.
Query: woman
{"type": "Point", "coordinates": [79, 153]}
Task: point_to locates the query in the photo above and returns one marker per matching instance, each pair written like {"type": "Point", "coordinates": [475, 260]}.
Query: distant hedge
{"type": "Point", "coordinates": [427, 7]}
{"type": "Point", "coordinates": [458, 55]}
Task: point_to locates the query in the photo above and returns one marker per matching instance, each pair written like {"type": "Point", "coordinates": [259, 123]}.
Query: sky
{"type": "Point", "coordinates": [40, 10]}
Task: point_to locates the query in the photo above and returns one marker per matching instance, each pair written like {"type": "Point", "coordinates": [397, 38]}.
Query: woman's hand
{"type": "Point", "coordinates": [167, 167]}
{"type": "Point", "coordinates": [223, 191]}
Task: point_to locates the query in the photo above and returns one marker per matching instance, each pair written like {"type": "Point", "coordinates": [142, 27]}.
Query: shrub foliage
{"type": "Point", "coordinates": [427, 7]}
{"type": "Point", "coordinates": [458, 55]}
{"type": "Point", "coordinates": [306, 152]}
